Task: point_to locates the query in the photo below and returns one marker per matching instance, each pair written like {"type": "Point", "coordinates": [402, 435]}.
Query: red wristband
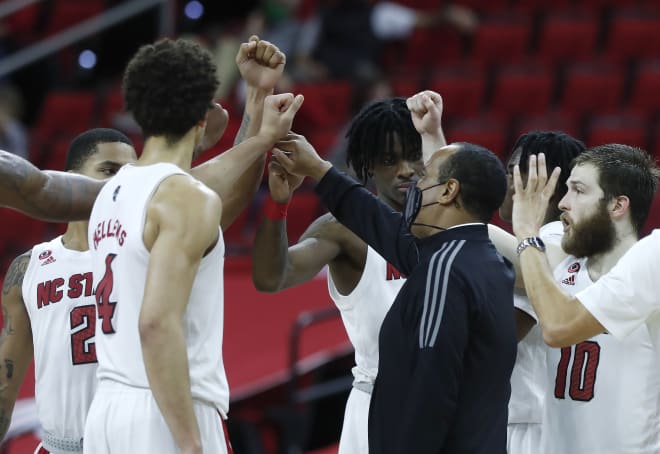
{"type": "Point", "coordinates": [275, 211]}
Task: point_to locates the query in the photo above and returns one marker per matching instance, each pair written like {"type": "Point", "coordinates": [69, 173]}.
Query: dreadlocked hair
{"type": "Point", "coordinates": [373, 132]}
{"type": "Point", "coordinates": [168, 87]}
{"type": "Point", "coordinates": [559, 149]}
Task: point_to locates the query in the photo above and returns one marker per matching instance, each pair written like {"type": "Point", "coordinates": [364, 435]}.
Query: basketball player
{"type": "Point", "coordinates": [603, 394]}
{"type": "Point", "coordinates": [383, 143]}
{"type": "Point", "coordinates": [527, 389]}
{"type": "Point", "coordinates": [158, 255]}
{"type": "Point", "coordinates": [49, 310]}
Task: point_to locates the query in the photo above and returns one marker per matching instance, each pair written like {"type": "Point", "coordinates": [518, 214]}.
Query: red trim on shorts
{"type": "Point", "coordinates": [42, 450]}
{"type": "Point", "coordinates": [224, 429]}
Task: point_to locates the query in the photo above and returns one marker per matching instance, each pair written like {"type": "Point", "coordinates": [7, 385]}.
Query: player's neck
{"type": "Point", "coordinates": [600, 264]}
{"type": "Point", "coordinates": [75, 237]}
{"type": "Point", "coordinates": [158, 149]}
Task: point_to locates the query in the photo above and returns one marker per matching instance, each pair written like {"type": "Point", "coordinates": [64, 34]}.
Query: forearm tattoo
{"type": "Point", "coordinates": [245, 123]}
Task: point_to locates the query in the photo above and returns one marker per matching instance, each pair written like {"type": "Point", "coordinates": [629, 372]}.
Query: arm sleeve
{"type": "Point", "coordinates": [364, 214]}
{"type": "Point", "coordinates": [431, 402]}
{"type": "Point", "coordinates": [628, 295]}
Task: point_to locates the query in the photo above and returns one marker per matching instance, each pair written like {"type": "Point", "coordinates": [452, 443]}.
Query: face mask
{"type": "Point", "coordinates": [414, 206]}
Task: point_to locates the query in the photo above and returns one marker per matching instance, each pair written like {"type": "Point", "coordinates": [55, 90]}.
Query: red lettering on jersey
{"type": "Point", "coordinates": [56, 291]}
{"type": "Point", "coordinates": [43, 293]}
{"type": "Point", "coordinates": [109, 229]}
{"type": "Point", "coordinates": [75, 286]}
{"type": "Point", "coordinates": [105, 309]}
{"type": "Point", "coordinates": [88, 283]}
{"type": "Point", "coordinates": [392, 273]}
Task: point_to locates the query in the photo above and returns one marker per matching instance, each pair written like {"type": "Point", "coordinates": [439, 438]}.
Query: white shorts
{"type": "Point", "coordinates": [122, 420]}
{"type": "Point", "coordinates": [523, 438]}
{"type": "Point", "coordinates": [354, 433]}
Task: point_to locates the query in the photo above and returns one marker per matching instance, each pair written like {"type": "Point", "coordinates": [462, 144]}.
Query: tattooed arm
{"type": "Point", "coordinates": [51, 196]}
{"type": "Point", "coordinates": [15, 341]}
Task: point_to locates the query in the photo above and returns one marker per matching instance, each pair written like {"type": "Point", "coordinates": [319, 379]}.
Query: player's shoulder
{"type": "Point", "coordinates": [16, 272]}
{"type": "Point", "coordinates": [186, 193]}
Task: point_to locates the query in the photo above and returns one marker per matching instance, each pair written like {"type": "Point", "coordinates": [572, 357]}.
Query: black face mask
{"type": "Point", "coordinates": [414, 206]}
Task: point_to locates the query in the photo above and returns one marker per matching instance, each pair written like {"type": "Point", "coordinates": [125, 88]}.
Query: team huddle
{"type": "Point", "coordinates": [467, 338]}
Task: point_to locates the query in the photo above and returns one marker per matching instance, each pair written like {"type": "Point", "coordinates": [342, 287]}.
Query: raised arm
{"type": "Point", "coordinates": [564, 321]}
{"type": "Point", "coordinates": [275, 265]}
{"type": "Point", "coordinates": [426, 112]}
{"type": "Point", "coordinates": [15, 341]}
{"type": "Point", "coordinates": [46, 195]}
{"type": "Point", "coordinates": [185, 216]}
{"type": "Point", "coordinates": [353, 205]}
{"type": "Point", "coordinates": [261, 64]}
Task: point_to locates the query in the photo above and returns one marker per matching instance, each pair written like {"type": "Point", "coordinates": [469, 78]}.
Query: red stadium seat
{"type": "Point", "coordinates": [568, 37]}
{"type": "Point", "coordinates": [501, 40]}
{"type": "Point", "coordinates": [592, 87]}
{"type": "Point", "coordinates": [54, 154]}
{"type": "Point", "coordinates": [483, 130]}
{"type": "Point", "coordinates": [72, 12]}
{"type": "Point", "coordinates": [522, 89]}
{"type": "Point", "coordinates": [405, 85]}
{"type": "Point", "coordinates": [554, 121]}
{"type": "Point", "coordinates": [634, 35]}
{"type": "Point", "coordinates": [326, 103]}
{"type": "Point", "coordinates": [446, 45]}
{"type": "Point", "coordinates": [627, 129]}
{"type": "Point", "coordinates": [462, 90]}
{"type": "Point", "coordinates": [645, 97]}
{"type": "Point", "coordinates": [19, 232]}
{"type": "Point", "coordinates": [66, 112]}
{"type": "Point", "coordinates": [653, 221]}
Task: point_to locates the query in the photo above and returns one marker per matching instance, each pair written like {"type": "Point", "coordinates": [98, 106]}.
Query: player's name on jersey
{"type": "Point", "coordinates": [52, 291]}
{"type": "Point", "coordinates": [111, 228]}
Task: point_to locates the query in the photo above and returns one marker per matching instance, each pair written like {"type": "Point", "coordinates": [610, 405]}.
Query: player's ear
{"type": "Point", "coordinates": [619, 206]}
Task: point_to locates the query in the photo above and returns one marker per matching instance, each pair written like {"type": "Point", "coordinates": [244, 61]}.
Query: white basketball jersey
{"type": "Point", "coordinates": [58, 294]}
{"type": "Point", "coordinates": [603, 395]}
{"type": "Point", "coordinates": [528, 376]}
{"type": "Point", "coordinates": [364, 309]}
{"type": "Point", "coordinates": [120, 263]}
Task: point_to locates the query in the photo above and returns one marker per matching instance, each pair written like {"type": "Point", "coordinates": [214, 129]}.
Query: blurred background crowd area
{"type": "Point", "coordinates": [590, 68]}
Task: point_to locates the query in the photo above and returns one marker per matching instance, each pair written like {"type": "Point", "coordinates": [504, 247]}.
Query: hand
{"type": "Point", "coordinates": [216, 123]}
{"type": "Point", "coordinates": [298, 157]}
{"type": "Point", "coordinates": [531, 202]}
{"type": "Point", "coordinates": [279, 112]}
{"type": "Point", "coordinates": [426, 112]}
{"type": "Point", "coordinates": [281, 183]}
{"type": "Point", "coordinates": [260, 63]}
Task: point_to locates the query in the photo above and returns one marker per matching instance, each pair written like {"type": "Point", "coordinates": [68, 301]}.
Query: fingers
{"type": "Point", "coordinates": [517, 181]}
{"type": "Point", "coordinates": [549, 189]}
{"type": "Point", "coordinates": [283, 159]}
{"type": "Point", "coordinates": [280, 101]}
{"type": "Point", "coordinates": [278, 58]}
{"type": "Point", "coordinates": [532, 177]}
{"type": "Point", "coordinates": [245, 50]}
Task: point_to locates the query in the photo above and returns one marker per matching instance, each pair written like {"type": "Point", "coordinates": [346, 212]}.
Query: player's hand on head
{"type": "Point", "coordinates": [426, 112]}
{"type": "Point", "coordinates": [531, 198]}
{"type": "Point", "coordinates": [216, 124]}
{"type": "Point", "coordinates": [281, 183]}
{"type": "Point", "coordinates": [260, 63]}
{"type": "Point", "coordinates": [279, 112]}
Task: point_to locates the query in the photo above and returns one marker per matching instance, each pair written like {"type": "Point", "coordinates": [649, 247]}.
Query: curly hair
{"type": "Point", "coordinates": [168, 87]}
{"type": "Point", "coordinates": [371, 136]}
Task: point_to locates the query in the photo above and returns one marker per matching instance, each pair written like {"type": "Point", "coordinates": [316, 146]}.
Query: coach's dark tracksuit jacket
{"type": "Point", "coordinates": [448, 344]}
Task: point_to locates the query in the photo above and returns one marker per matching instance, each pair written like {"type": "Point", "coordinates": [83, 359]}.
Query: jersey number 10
{"type": "Point", "coordinates": [586, 356]}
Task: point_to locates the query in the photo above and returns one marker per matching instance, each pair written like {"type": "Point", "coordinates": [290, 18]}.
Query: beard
{"type": "Point", "coordinates": [593, 235]}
